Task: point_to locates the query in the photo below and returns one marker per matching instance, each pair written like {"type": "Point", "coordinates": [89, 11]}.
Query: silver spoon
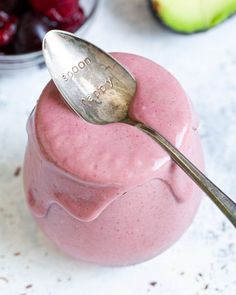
{"type": "Point", "coordinates": [100, 90]}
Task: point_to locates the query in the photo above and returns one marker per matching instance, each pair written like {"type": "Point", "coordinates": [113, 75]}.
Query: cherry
{"type": "Point", "coordinates": [8, 5]}
{"type": "Point", "coordinates": [22, 7]}
{"type": "Point", "coordinates": [75, 21]}
{"type": "Point", "coordinates": [7, 28]}
{"type": "Point", "coordinates": [8, 49]}
{"type": "Point", "coordinates": [15, 7]}
{"type": "Point", "coordinates": [57, 10]}
{"type": "Point", "coordinates": [31, 30]}
{"type": "Point", "coordinates": [67, 13]}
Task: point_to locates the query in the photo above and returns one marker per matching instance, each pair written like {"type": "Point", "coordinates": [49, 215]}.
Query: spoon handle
{"type": "Point", "coordinates": [225, 204]}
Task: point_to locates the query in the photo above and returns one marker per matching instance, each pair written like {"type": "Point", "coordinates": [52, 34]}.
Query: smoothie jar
{"type": "Point", "coordinates": [109, 194]}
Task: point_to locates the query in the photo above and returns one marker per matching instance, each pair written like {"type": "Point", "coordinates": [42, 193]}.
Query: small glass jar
{"type": "Point", "coordinates": [108, 194]}
{"type": "Point", "coordinates": [22, 61]}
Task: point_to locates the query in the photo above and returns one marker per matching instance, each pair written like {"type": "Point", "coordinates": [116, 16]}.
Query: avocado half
{"type": "Point", "coordinates": [189, 16]}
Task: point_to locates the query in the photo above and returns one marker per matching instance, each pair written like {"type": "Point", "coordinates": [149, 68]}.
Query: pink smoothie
{"type": "Point", "coordinates": [109, 194]}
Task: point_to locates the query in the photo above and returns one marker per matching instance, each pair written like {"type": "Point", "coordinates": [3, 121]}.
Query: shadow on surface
{"type": "Point", "coordinates": [137, 15]}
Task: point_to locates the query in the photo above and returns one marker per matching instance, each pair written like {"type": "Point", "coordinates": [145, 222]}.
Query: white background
{"type": "Point", "coordinates": [204, 260]}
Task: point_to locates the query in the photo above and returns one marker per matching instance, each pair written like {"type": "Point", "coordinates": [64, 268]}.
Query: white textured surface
{"type": "Point", "coordinates": [204, 260]}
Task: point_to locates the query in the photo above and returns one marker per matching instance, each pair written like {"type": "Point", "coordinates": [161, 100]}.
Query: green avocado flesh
{"type": "Point", "coordinates": [189, 16]}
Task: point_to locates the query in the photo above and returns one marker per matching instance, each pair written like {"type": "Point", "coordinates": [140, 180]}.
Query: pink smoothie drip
{"type": "Point", "coordinates": [84, 167]}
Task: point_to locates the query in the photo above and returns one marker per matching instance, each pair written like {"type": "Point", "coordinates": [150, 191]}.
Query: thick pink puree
{"type": "Point", "coordinates": [109, 194]}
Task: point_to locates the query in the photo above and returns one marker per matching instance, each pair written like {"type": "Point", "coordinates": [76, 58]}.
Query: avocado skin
{"type": "Point", "coordinates": [161, 22]}
{"type": "Point", "coordinates": [183, 32]}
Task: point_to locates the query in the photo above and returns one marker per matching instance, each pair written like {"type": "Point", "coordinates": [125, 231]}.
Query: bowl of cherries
{"type": "Point", "coordinates": [23, 24]}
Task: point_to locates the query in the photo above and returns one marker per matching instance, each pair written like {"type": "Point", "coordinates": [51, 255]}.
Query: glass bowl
{"type": "Point", "coordinates": [22, 61]}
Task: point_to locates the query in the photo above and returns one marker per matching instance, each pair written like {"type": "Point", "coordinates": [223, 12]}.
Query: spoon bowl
{"type": "Point", "coordinates": [93, 83]}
